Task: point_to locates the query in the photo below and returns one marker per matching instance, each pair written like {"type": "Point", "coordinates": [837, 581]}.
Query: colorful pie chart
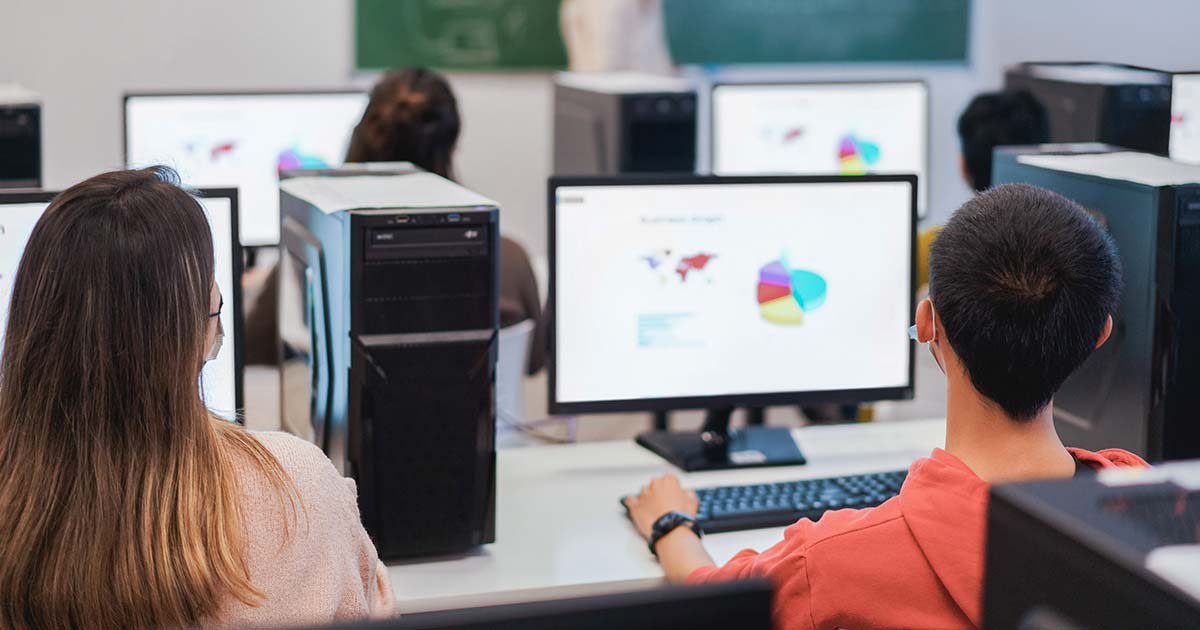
{"type": "Point", "coordinates": [785, 295]}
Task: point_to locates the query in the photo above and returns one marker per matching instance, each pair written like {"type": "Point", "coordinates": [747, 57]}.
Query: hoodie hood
{"type": "Point", "coordinates": [945, 506]}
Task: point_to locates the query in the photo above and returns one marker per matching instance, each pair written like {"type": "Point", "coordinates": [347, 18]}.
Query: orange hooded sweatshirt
{"type": "Point", "coordinates": [916, 561]}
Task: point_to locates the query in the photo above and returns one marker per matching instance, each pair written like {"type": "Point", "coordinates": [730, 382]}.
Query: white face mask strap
{"type": "Point", "coordinates": [217, 342]}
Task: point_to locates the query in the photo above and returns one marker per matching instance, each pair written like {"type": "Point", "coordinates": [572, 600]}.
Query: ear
{"type": "Point", "coordinates": [1104, 334]}
{"type": "Point", "coordinates": [966, 175]}
{"type": "Point", "coordinates": [926, 329]}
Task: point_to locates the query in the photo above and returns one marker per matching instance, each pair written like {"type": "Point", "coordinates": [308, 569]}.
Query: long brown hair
{"type": "Point", "coordinates": [119, 504]}
{"type": "Point", "coordinates": [413, 117]}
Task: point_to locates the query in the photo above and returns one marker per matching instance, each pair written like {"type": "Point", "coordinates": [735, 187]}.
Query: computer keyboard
{"type": "Point", "coordinates": [732, 508]}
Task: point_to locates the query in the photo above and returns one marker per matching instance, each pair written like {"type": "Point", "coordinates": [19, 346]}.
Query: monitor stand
{"type": "Point", "coordinates": [717, 447]}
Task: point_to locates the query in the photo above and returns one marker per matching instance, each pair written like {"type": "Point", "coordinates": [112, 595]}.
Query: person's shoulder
{"type": "Point", "coordinates": [849, 523]}
{"type": "Point", "coordinates": [291, 452]}
{"type": "Point", "coordinates": [305, 464]}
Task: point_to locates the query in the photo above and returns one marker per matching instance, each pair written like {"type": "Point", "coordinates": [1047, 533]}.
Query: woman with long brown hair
{"type": "Point", "coordinates": [123, 502]}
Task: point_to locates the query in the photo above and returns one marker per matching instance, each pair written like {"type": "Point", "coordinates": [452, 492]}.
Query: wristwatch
{"type": "Point", "coordinates": [667, 524]}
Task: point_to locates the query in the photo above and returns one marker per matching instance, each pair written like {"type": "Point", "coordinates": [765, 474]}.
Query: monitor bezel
{"type": "Point", "coordinates": [239, 323]}
{"type": "Point", "coordinates": [846, 396]}
{"type": "Point", "coordinates": [922, 203]}
{"type": "Point", "coordinates": [127, 96]}
{"type": "Point", "coordinates": [1170, 133]}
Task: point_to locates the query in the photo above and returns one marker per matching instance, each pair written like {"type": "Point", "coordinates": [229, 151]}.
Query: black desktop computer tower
{"type": "Point", "coordinates": [1141, 390]}
{"type": "Point", "coordinates": [608, 124]}
{"type": "Point", "coordinates": [1126, 106]}
{"type": "Point", "coordinates": [388, 320]}
{"type": "Point", "coordinates": [20, 138]}
{"type": "Point", "coordinates": [1069, 554]}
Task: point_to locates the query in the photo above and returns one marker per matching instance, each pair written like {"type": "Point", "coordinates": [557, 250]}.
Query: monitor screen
{"type": "Point", "coordinates": [745, 290]}
{"type": "Point", "coordinates": [822, 129]}
{"type": "Point", "coordinates": [242, 141]}
{"type": "Point", "coordinates": [19, 213]}
{"type": "Point", "coordinates": [1185, 118]}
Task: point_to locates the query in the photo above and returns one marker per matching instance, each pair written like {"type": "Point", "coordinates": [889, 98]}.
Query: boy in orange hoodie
{"type": "Point", "coordinates": [1023, 285]}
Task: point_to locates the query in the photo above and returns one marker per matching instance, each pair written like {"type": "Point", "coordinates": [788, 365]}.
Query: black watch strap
{"type": "Point", "coordinates": [667, 524]}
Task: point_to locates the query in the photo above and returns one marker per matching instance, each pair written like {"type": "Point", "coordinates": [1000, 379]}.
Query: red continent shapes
{"type": "Point", "coordinates": [697, 262]}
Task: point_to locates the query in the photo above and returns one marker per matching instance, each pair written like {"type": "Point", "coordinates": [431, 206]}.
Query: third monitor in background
{"type": "Point", "coordinates": [822, 129]}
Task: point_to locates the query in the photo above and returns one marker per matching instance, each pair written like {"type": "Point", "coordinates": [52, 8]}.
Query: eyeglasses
{"type": "Point", "coordinates": [221, 307]}
{"type": "Point", "coordinates": [912, 332]}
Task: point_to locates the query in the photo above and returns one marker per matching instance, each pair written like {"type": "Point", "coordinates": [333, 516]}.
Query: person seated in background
{"type": "Point", "coordinates": [995, 119]}
{"type": "Point", "coordinates": [990, 120]}
{"type": "Point", "coordinates": [1023, 286]}
{"type": "Point", "coordinates": [412, 116]}
{"type": "Point", "coordinates": [124, 502]}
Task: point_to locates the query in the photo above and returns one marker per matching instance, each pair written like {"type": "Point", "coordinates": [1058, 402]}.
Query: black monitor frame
{"type": "Point", "coordinates": [922, 203]}
{"type": "Point", "coordinates": [732, 400]}
{"type": "Point", "coordinates": [234, 301]}
{"type": "Point", "coordinates": [737, 604]}
{"type": "Point", "coordinates": [127, 96]}
{"type": "Point", "coordinates": [239, 324]}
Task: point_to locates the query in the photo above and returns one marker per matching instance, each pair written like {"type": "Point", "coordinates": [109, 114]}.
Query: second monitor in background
{"type": "Point", "coordinates": [242, 140]}
{"type": "Point", "coordinates": [822, 129]}
{"type": "Point", "coordinates": [719, 292]}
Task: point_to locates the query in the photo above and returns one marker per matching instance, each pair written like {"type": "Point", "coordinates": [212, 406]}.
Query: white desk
{"type": "Point", "coordinates": [561, 532]}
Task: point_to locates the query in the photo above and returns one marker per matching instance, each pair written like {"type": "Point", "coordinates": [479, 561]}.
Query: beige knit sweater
{"type": "Point", "coordinates": [321, 568]}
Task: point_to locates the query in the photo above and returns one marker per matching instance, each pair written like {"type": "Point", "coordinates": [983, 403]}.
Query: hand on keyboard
{"type": "Point", "coordinates": [755, 506]}
{"type": "Point", "coordinates": [664, 494]}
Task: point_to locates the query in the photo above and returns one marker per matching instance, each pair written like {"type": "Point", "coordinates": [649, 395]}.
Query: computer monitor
{"type": "Point", "coordinates": [745, 605]}
{"type": "Point", "coordinates": [822, 129]}
{"type": "Point", "coordinates": [1185, 117]}
{"type": "Point", "coordinates": [221, 379]}
{"type": "Point", "coordinates": [714, 292]}
{"type": "Point", "coordinates": [242, 140]}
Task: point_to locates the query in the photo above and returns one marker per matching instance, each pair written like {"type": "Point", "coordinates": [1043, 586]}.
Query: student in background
{"type": "Point", "coordinates": [994, 119]}
{"type": "Point", "coordinates": [991, 119]}
{"type": "Point", "coordinates": [124, 503]}
{"type": "Point", "coordinates": [413, 117]}
{"type": "Point", "coordinates": [1024, 284]}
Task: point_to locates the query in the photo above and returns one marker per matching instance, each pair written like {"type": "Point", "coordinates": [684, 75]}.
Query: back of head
{"type": "Point", "coordinates": [998, 119]}
{"type": "Point", "coordinates": [1023, 281]}
{"type": "Point", "coordinates": [117, 500]}
{"type": "Point", "coordinates": [412, 117]}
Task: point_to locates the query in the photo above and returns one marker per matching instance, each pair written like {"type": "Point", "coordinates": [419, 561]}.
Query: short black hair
{"type": "Point", "coordinates": [997, 119]}
{"type": "Point", "coordinates": [1022, 280]}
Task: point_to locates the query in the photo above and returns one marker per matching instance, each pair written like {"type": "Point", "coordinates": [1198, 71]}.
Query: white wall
{"type": "Point", "coordinates": [82, 55]}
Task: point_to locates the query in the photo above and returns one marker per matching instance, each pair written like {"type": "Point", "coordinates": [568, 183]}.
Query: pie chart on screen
{"type": "Point", "coordinates": [785, 295]}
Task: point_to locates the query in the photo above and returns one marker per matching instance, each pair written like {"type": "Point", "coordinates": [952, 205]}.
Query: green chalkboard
{"type": "Point", "coordinates": [798, 31]}
{"type": "Point", "coordinates": [458, 34]}
{"type": "Point", "coordinates": [525, 34]}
